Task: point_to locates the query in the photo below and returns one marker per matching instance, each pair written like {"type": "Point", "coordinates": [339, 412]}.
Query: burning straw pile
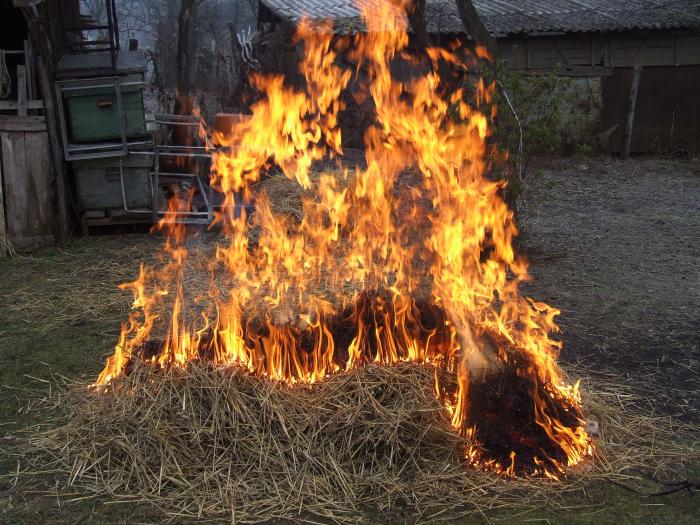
{"type": "Point", "coordinates": [205, 442]}
{"type": "Point", "coordinates": [275, 402]}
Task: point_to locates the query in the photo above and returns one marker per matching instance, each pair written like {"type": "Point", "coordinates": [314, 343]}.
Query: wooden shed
{"type": "Point", "coordinates": [598, 43]}
{"type": "Point", "coordinates": [67, 93]}
{"type": "Point", "coordinates": [27, 205]}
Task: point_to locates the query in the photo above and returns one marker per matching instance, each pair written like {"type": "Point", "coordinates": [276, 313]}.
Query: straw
{"type": "Point", "coordinates": [218, 443]}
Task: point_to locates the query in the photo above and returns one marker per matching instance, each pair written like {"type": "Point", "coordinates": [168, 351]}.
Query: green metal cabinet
{"type": "Point", "coordinates": [99, 183]}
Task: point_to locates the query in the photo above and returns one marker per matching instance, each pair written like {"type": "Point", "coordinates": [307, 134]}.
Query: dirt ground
{"type": "Point", "coordinates": [613, 244]}
{"type": "Point", "coordinates": [616, 246]}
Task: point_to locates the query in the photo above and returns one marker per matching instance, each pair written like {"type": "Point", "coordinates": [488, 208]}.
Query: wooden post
{"type": "Point", "coordinates": [21, 91]}
{"type": "Point", "coordinates": [29, 64]}
{"type": "Point", "coordinates": [631, 107]}
{"type": "Point", "coordinates": [3, 235]}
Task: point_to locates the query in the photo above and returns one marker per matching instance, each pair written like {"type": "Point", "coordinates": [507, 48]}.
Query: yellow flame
{"type": "Point", "coordinates": [447, 237]}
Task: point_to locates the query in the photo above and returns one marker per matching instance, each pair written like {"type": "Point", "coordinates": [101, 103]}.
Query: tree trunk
{"type": "Point", "coordinates": [185, 58]}
{"type": "Point", "coordinates": [475, 28]}
{"type": "Point", "coordinates": [415, 11]}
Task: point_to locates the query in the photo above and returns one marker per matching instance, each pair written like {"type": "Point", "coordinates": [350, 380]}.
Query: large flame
{"type": "Point", "coordinates": [411, 255]}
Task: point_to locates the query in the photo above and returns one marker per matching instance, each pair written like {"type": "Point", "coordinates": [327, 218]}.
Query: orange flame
{"type": "Point", "coordinates": [420, 223]}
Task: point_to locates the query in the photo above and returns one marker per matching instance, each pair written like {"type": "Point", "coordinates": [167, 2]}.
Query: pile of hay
{"type": "Point", "coordinates": [218, 443]}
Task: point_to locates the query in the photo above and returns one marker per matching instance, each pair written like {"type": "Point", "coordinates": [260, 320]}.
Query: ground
{"type": "Point", "coordinates": [613, 244]}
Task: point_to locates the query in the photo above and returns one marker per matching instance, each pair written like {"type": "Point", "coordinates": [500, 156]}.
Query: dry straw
{"type": "Point", "coordinates": [217, 443]}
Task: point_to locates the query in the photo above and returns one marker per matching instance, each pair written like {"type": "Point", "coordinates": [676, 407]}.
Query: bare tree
{"type": "Point", "coordinates": [97, 9]}
{"type": "Point", "coordinates": [474, 27]}
{"type": "Point", "coordinates": [186, 57]}
{"type": "Point", "coordinates": [415, 10]}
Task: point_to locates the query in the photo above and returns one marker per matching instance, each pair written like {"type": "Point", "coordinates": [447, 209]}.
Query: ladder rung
{"type": "Point", "coordinates": [85, 28]}
{"type": "Point", "coordinates": [93, 43]}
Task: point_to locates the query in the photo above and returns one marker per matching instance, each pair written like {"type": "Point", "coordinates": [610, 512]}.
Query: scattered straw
{"type": "Point", "coordinates": [218, 443]}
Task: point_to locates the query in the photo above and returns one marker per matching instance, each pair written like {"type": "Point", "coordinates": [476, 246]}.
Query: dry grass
{"type": "Point", "coordinates": [78, 285]}
{"type": "Point", "coordinates": [218, 443]}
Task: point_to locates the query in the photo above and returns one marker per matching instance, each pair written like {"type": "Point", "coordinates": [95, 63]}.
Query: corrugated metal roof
{"type": "Point", "coordinates": [505, 17]}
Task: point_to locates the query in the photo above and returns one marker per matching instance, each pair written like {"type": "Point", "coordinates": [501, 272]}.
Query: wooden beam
{"type": "Point", "coordinates": [12, 123]}
{"type": "Point", "coordinates": [31, 73]}
{"type": "Point", "coordinates": [13, 105]}
{"type": "Point", "coordinates": [573, 71]}
{"type": "Point", "coordinates": [26, 3]}
{"type": "Point", "coordinates": [675, 51]}
{"type": "Point", "coordinates": [15, 190]}
{"type": "Point", "coordinates": [631, 107]}
{"type": "Point", "coordinates": [21, 91]}
{"type": "Point", "coordinates": [528, 54]}
{"type": "Point", "coordinates": [37, 17]}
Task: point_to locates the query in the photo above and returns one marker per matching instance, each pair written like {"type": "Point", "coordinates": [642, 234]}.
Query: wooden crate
{"type": "Point", "coordinates": [99, 183]}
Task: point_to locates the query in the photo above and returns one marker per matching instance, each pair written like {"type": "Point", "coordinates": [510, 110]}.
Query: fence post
{"type": "Point", "coordinates": [631, 107]}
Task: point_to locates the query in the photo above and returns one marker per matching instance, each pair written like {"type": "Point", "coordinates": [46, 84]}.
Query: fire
{"type": "Point", "coordinates": [407, 259]}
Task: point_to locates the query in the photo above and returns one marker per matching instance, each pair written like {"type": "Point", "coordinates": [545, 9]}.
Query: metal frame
{"type": "Point", "coordinates": [82, 151]}
{"type": "Point", "coordinates": [124, 203]}
{"type": "Point", "coordinates": [160, 177]}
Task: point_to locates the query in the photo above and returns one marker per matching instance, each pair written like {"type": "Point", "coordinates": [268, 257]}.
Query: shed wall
{"type": "Point", "coordinates": [668, 109]}
{"type": "Point", "coordinates": [668, 114]}
{"type": "Point", "coordinates": [579, 53]}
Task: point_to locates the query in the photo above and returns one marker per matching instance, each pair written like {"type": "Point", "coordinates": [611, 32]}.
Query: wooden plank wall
{"type": "Point", "coordinates": [589, 53]}
{"type": "Point", "coordinates": [26, 179]}
{"type": "Point", "coordinates": [3, 238]}
{"type": "Point", "coordinates": [668, 110]}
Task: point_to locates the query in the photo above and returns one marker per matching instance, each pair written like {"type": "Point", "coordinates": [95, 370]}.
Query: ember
{"type": "Point", "coordinates": [377, 270]}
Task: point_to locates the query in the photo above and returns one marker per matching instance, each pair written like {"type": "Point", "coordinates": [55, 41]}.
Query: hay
{"type": "Point", "coordinates": [77, 286]}
{"type": "Point", "coordinates": [219, 443]}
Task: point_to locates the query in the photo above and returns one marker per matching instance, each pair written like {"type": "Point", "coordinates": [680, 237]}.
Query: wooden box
{"type": "Point", "coordinates": [92, 111]}
{"type": "Point", "coordinates": [99, 183]}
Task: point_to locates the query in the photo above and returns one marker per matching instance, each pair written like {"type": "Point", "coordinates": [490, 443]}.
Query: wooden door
{"type": "Point", "coordinates": [26, 180]}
